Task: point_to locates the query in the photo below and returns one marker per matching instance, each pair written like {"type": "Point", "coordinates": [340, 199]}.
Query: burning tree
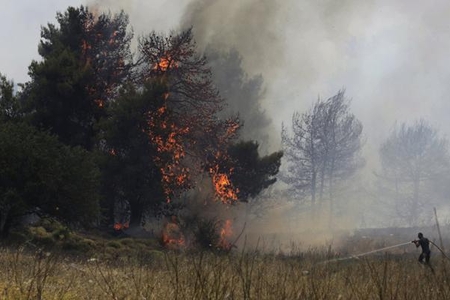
{"type": "Point", "coordinates": [106, 50]}
{"type": "Point", "coordinates": [242, 94]}
{"type": "Point", "coordinates": [323, 150]}
{"type": "Point", "coordinates": [414, 171]}
{"type": "Point", "coordinates": [194, 103]}
{"type": "Point", "coordinates": [153, 123]}
{"type": "Point", "coordinates": [85, 60]}
{"type": "Point", "coordinates": [145, 150]}
{"type": "Point", "coordinates": [250, 172]}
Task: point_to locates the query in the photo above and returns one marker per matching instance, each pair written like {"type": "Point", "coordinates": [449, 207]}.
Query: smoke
{"type": "Point", "coordinates": [252, 27]}
{"type": "Point", "coordinates": [145, 16]}
{"type": "Point", "coordinates": [391, 56]}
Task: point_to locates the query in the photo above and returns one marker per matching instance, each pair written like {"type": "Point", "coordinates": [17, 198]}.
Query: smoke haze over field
{"type": "Point", "coordinates": [391, 56]}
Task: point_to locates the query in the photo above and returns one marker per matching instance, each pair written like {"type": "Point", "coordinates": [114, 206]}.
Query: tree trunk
{"type": "Point", "coordinates": [313, 188]}
{"type": "Point", "coordinates": [5, 223]}
{"type": "Point", "coordinates": [330, 194]}
{"type": "Point", "coordinates": [415, 204]}
{"type": "Point", "coordinates": [136, 213]}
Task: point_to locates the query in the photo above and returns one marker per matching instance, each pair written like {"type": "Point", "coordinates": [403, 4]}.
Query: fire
{"type": "Point", "coordinates": [121, 226]}
{"type": "Point", "coordinates": [225, 234]}
{"type": "Point", "coordinates": [100, 103]}
{"type": "Point", "coordinates": [172, 237]}
{"type": "Point", "coordinates": [223, 187]}
{"type": "Point", "coordinates": [165, 63]}
{"type": "Point", "coordinates": [101, 52]}
{"type": "Point", "coordinates": [174, 175]}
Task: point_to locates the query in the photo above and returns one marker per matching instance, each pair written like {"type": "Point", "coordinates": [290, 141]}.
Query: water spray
{"type": "Point", "coordinates": [357, 256]}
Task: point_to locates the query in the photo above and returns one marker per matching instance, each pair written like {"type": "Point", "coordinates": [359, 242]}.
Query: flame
{"type": "Point", "coordinates": [172, 237]}
{"type": "Point", "coordinates": [98, 51]}
{"type": "Point", "coordinates": [165, 63]}
{"type": "Point", "coordinates": [174, 176]}
{"type": "Point", "coordinates": [121, 226]}
{"type": "Point", "coordinates": [223, 187]}
{"type": "Point", "coordinates": [225, 234]}
{"type": "Point", "coordinates": [100, 103]}
{"type": "Point", "coordinates": [232, 128]}
{"type": "Point", "coordinates": [113, 40]}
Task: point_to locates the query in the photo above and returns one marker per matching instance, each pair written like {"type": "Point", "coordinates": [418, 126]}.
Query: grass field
{"type": "Point", "coordinates": [39, 274]}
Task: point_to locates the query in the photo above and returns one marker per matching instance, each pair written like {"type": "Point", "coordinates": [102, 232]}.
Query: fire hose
{"type": "Point", "coordinates": [443, 253]}
{"type": "Point", "coordinates": [357, 256]}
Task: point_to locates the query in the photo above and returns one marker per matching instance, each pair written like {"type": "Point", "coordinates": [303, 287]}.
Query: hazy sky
{"type": "Point", "coordinates": [391, 56]}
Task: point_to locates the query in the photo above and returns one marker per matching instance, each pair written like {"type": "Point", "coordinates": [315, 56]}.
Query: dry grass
{"type": "Point", "coordinates": [202, 275]}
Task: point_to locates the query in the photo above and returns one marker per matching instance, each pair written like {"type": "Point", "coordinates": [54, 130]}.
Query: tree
{"type": "Point", "coordinates": [145, 151]}
{"type": "Point", "coordinates": [242, 94]}
{"type": "Point", "coordinates": [323, 150]}
{"type": "Point", "coordinates": [193, 100]}
{"type": "Point", "coordinates": [9, 104]}
{"type": "Point", "coordinates": [250, 172]}
{"type": "Point", "coordinates": [414, 168]}
{"type": "Point", "coordinates": [85, 60]}
{"type": "Point", "coordinates": [39, 174]}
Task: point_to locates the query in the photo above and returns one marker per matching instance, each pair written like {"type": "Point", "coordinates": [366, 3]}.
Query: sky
{"type": "Point", "coordinates": [392, 57]}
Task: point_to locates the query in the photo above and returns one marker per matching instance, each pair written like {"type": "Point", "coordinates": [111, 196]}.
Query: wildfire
{"type": "Point", "coordinates": [121, 226]}
{"type": "Point", "coordinates": [101, 51]}
{"type": "Point", "coordinates": [223, 187]}
{"type": "Point", "coordinates": [172, 237]}
{"type": "Point", "coordinates": [165, 63]}
{"type": "Point", "coordinates": [225, 234]}
{"type": "Point", "coordinates": [174, 176]}
{"type": "Point", "coordinates": [99, 102]}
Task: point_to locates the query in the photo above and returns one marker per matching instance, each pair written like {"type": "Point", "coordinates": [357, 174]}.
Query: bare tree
{"type": "Point", "coordinates": [414, 166]}
{"type": "Point", "coordinates": [323, 150]}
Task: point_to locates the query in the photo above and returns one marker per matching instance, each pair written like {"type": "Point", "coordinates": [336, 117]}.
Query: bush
{"type": "Point", "coordinates": [114, 244]}
{"type": "Point", "coordinates": [61, 234]}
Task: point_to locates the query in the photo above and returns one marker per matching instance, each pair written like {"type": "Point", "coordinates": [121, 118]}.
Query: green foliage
{"type": "Point", "coordinates": [38, 173]}
{"type": "Point", "coordinates": [252, 173]}
{"type": "Point", "coordinates": [83, 65]}
{"type": "Point", "coordinates": [9, 104]}
{"type": "Point", "coordinates": [130, 172]}
{"type": "Point", "coordinates": [207, 233]}
{"type": "Point", "coordinates": [58, 99]}
{"type": "Point", "coordinates": [242, 94]}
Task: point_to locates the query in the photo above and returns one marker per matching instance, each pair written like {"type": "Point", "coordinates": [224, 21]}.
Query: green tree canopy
{"type": "Point", "coordinates": [250, 172]}
{"type": "Point", "coordinates": [9, 104]}
{"type": "Point", "coordinates": [39, 174]}
{"type": "Point", "coordinates": [85, 60]}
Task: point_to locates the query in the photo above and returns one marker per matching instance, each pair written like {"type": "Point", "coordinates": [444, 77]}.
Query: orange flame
{"type": "Point", "coordinates": [173, 174]}
{"type": "Point", "coordinates": [225, 234]}
{"type": "Point", "coordinates": [172, 237]}
{"type": "Point", "coordinates": [223, 187]}
{"type": "Point", "coordinates": [100, 103]}
{"type": "Point", "coordinates": [165, 63]}
{"type": "Point", "coordinates": [121, 226]}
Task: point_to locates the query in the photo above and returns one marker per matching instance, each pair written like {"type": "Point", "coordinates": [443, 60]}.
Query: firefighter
{"type": "Point", "coordinates": [425, 244]}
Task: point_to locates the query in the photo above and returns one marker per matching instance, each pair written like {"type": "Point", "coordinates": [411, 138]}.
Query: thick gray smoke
{"type": "Point", "coordinates": [252, 27]}
{"type": "Point", "coordinates": [390, 56]}
{"type": "Point", "coordinates": [242, 39]}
